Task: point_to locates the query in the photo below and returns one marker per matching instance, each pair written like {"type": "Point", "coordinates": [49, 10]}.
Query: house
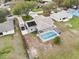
{"type": "Point", "coordinates": [44, 27]}
{"type": "Point", "coordinates": [6, 28]}
{"type": "Point", "coordinates": [61, 16]}
{"type": "Point", "coordinates": [40, 23]}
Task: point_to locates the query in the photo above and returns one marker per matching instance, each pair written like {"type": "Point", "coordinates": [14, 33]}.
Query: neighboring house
{"type": "Point", "coordinates": [6, 28]}
{"type": "Point", "coordinates": [61, 16]}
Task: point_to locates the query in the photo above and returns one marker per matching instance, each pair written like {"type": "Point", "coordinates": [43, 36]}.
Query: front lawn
{"type": "Point", "coordinates": [74, 23]}
{"type": "Point", "coordinates": [27, 18]}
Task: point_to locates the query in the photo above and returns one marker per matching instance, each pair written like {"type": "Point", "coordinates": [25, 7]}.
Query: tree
{"type": "Point", "coordinates": [58, 2]}
{"type": "Point", "coordinates": [23, 7]}
{"type": "Point", "coordinates": [48, 7]}
{"type": "Point", "coordinates": [7, 1]}
{"type": "Point", "coordinates": [3, 14]}
{"type": "Point", "coordinates": [66, 3]}
{"type": "Point", "coordinates": [57, 41]}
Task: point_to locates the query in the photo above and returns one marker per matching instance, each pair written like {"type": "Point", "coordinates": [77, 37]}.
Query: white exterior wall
{"type": "Point", "coordinates": [67, 19]}
{"type": "Point", "coordinates": [24, 32]}
{"type": "Point", "coordinates": [32, 29]}
{"type": "Point", "coordinates": [9, 32]}
{"type": "Point", "coordinates": [60, 15]}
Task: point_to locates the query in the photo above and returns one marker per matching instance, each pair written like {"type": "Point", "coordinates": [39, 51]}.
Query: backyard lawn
{"type": "Point", "coordinates": [74, 22]}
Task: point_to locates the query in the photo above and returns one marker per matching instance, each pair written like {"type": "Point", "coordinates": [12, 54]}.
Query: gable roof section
{"type": "Point", "coordinates": [43, 22]}
{"type": "Point", "coordinates": [6, 26]}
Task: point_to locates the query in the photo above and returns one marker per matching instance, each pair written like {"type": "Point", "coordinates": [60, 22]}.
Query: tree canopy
{"type": "Point", "coordinates": [67, 3]}
{"type": "Point", "coordinates": [23, 7]}
{"type": "Point", "coordinates": [3, 14]}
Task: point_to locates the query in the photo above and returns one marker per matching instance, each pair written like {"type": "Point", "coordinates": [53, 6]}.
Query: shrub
{"type": "Point", "coordinates": [27, 18]}
{"type": "Point", "coordinates": [46, 13]}
{"type": "Point", "coordinates": [37, 9]}
{"type": "Point", "coordinates": [5, 50]}
{"type": "Point", "coordinates": [3, 14]}
{"type": "Point", "coordinates": [57, 40]}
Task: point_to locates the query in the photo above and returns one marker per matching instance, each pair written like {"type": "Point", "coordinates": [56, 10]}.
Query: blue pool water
{"type": "Point", "coordinates": [48, 35]}
{"type": "Point", "coordinates": [74, 12]}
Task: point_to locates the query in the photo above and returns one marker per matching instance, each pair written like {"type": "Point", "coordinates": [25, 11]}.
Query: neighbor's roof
{"type": "Point", "coordinates": [43, 22]}
{"type": "Point", "coordinates": [60, 15]}
{"type": "Point", "coordinates": [6, 26]}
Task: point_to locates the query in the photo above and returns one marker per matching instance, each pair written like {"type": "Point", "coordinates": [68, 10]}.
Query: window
{"type": "Point", "coordinates": [64, 18]}
{"type": "Point", "coordinates": [1, 33]}
{"type": "Point", "coordinates": [22, 28]}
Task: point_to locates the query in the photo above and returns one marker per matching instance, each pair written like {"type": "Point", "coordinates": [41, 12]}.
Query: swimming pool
{"type": "Point", "coordinates": [48, 35]}
{"type": "Point", "coordinates": [74, 12]}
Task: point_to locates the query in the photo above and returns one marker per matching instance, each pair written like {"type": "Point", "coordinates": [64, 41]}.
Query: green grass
{"type": "Point", "coordinates": [36, 9]}
{"type": "Point", "coordinates": [74, 22]}
{"type": "Point", "coordinates": [5, 46]}
{"type": "Point", "coordinates": [63, 53]}
{"type": "Point", "coordinates": [74, 54]}
{"type": "Point", "coordinates": [27, 18]}
{"type": "Point", "coordinates": [5, 50]}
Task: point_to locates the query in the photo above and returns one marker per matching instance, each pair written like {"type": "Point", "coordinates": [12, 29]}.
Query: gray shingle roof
{"type": "Point", "coordinates": [43, 22]}
{"type": "Point", "coordinates": [6, 26]}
